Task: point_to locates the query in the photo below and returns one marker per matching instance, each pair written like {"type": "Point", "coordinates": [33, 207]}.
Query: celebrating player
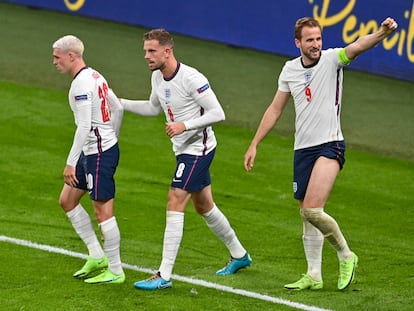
{"type": "Point", "coordinates": [314, 80]}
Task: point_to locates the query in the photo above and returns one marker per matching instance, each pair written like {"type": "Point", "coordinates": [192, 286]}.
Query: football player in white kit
{"type": "Point", "coordinates": [190, 108]}
{"type": "Point", "coordinates": [92, 162]}
{"type": "Point", "coordinates": [314, 80]}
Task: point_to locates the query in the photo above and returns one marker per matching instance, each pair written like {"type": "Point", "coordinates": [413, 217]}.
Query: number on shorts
{"type": "Point", "coordinates": [180, 170]}
{"type": "Point", "coordinates": [89, 182]}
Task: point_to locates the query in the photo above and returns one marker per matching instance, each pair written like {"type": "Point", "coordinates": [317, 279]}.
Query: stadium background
{"type": "Point", "coordinates": [266, 25]}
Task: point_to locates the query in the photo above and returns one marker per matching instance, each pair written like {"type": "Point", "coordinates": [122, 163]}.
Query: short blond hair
{"type": "Point", "coordinates": [70, 43]}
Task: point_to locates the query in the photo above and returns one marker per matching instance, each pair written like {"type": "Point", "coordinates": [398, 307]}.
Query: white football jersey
{"type": "Point", "coordinates": [187, 97]}
{"type": "Point", "coordinates": [317, 94]}
{"type": "Point", "coordinates": [88, 99]}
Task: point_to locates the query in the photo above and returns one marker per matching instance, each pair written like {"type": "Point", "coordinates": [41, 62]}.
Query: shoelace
{"type": "Point", "coordinates": [154, 277]}
{"type": "Point", "coordinates": [230, 261]}
{"type": "Point", "coordinates": [345, 269]}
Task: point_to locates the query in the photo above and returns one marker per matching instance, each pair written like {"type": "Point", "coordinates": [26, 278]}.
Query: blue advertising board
{"type": "Point", "coordinates": [267, 25]}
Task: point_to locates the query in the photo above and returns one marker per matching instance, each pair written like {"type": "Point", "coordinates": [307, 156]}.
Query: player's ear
{"type": "Point", "coordinates": [168, 51]}
{"type": "Point", "coordinates": [297, 43]}
{"type": "Point", "coordinates": [71, 56]}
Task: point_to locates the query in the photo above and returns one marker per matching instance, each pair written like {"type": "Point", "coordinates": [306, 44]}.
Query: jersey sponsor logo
{"type": "Point", "coordinates": [81, 97]}
{"type": "Point", "coordinates": [203, 88]}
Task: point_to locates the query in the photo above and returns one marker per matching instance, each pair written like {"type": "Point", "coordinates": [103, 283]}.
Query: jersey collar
{"type": "Point", "coordinates": [311, 65]}
{"type": "Point", "coordinates": [174, 73]}
{"type": "Point", "coordinates": [86, 67]}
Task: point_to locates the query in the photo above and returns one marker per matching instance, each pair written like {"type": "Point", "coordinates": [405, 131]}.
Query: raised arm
{"type": "Point", "coordinates": [367, 42]}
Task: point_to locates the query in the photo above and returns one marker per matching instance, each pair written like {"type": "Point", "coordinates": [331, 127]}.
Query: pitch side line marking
{"type": "Point", "coordinates": [203, 283]}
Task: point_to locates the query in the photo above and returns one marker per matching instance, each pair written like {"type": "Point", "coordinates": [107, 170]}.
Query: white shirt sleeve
{"type": "Point", "coordinates": [117, 112]}
{"type": "Point", "coordinates": [141, 107]}
{"type": "Point", "coordinates": [83, 117]}
{"type": "Point", "coordinates": [213, 112]}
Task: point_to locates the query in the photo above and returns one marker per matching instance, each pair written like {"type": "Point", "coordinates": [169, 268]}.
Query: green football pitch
{"type": "Point", "coordinates": [372, 199]}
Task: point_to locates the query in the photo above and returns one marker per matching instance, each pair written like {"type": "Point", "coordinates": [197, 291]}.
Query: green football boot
{"type": "Point", "coordinates": [347, 271]}
{"type": "Point", "coordinates": [306, 282]}
{"type": "Point", "coordinates": [107, 277]}
{"type": "Point", "coordinates": [92, 265]}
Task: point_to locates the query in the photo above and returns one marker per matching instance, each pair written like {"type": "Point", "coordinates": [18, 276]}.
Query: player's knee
{"type": "Point", "coordinates": [63, 202]}
{"type": "Point", "coordinates": [312, 215]}
{"type": "Point", "coordinates": [322, 221]}
{"type": "Point", "coordinates": [66, 202]}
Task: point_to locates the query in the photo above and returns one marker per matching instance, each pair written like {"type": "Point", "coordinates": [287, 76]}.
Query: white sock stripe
{"type": "Point", "coordinates": [174, 213]}
{"type": "Point", "coordinates": [210, 211]}
{"type": "Point", "coordinates": [109, 220]}
{"type": "Point", "coordinates": [78, 209]}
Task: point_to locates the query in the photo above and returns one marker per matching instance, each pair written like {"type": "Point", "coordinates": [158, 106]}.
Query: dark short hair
{"type": "Point", "coordinates": [161, 35]}
{"type": "Point", "coordinates": [305, 22]}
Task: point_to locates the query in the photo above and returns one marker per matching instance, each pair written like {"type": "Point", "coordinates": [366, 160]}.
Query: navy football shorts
{"type": "Point", "coordinates": [96, 172]}
{"type": "Point", "coordinates": [304, 160]}
{"type": "Point", "coordinates": [192, 173]}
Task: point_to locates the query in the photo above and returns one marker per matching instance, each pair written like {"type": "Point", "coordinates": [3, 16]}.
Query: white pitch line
{"type": "Point", "coordinates": [203, 283]}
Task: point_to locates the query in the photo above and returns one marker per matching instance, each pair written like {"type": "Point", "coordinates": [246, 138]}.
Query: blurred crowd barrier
{"type": "Point", "coordinates": [266, 25]}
